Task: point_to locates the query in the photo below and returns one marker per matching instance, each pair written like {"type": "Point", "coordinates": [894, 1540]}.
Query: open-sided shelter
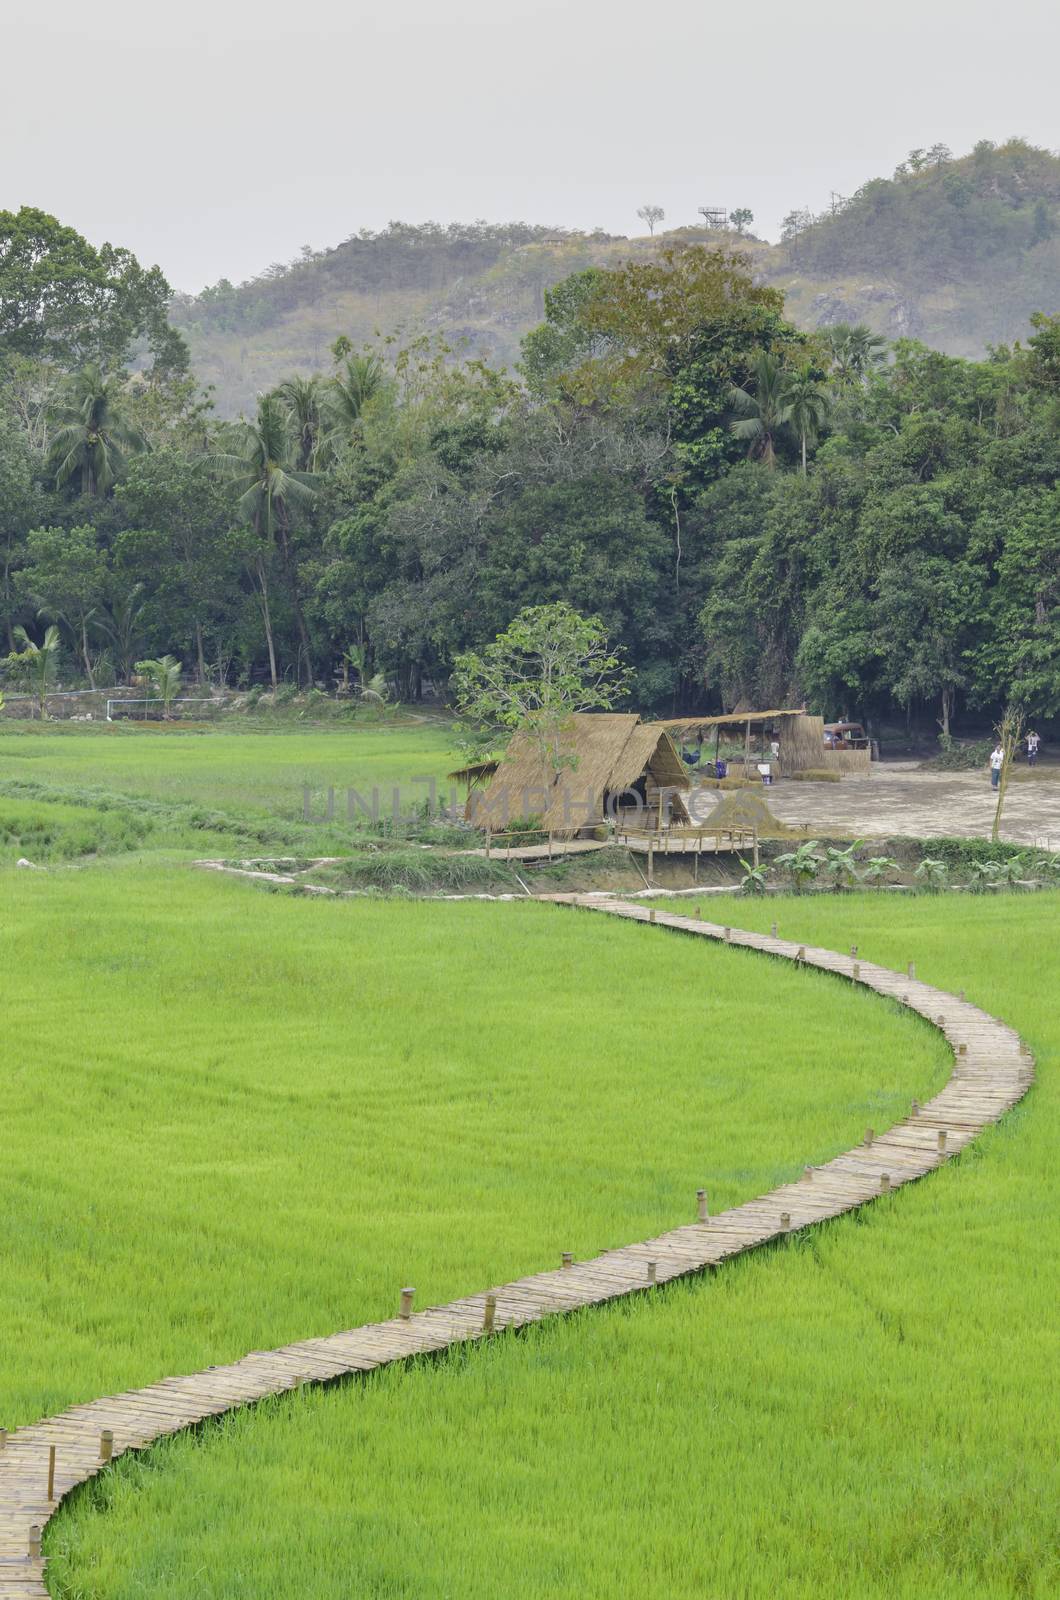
{"type": "Point", "coordinates": [612, 764]}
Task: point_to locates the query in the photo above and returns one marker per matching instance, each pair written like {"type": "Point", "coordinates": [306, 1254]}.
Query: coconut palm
{"type": "Point", "coordinates": [807, 406]}
{"type": "Point", "coordinates": [93, 433]}
{"type": "Point", "coordinates": [165, 675]}
{"type": "Point", "coordinates": [763, 411]}
{"type": "Point", "coordinates": [304, 399]}
{"type": "Point", "coordinates": [37, 664]}
{"type": "Point", "coordinates": [362, 380]}
{"type": "Point", "coordinates": [261, 469]}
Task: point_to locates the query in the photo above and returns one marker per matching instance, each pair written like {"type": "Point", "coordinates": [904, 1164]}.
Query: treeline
{"type": "Point", "coordinates": [758, 516]}
{"type": "Point", "coordinates": [939, 218]}
{"type": "Point", "coordinates": [403, 256]}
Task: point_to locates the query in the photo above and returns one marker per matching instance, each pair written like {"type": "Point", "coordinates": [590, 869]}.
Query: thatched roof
{"type": "Point", "coordinates": [609, 752]}
{"type": "Point", "coordinates": [731, 719]}
{"type": "Point", "coordinates": [474, 772]}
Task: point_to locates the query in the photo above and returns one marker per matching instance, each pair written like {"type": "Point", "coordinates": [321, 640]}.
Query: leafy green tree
{"type": "Point", "coordinates": [65, 300]}
{"type": "Point", "coordinates": [17, 507]}
{"type": "Point", "coordinates": [65, 578]}
{"type": "Point", "coordinates": [548, 664]}
{"type": "Point", "coordinates": [94, 434]}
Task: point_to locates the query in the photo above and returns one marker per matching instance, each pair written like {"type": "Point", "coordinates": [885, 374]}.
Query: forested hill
{"type": "Point", "coordinates": [955, 252]}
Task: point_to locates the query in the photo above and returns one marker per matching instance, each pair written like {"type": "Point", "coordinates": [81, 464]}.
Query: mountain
{"type": "Point", "coordinates": [956, 252]}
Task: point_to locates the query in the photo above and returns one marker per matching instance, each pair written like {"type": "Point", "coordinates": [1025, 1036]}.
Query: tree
{"type": "Point", "coordinates": [548, 664]}
{"type": "Point", "coordinates": [306, 407]}
{"type": "Point", "coordinates": [65, 577]}
{"type": "Point", "coordinates": [741, 218]}
{"type": "Point", "coordinates": [165, 677]}
{"type": "Point", "coordinates": [94, 434]}
{"type": "Point", "coordinates": [853, 351]}
{"type": "Point", "coordinates": [762, 411]}
{"type": "Point", "coordinates": [352, 392]}
{"type": "Point", "coordinates": [260, 470]}
{"type": "Point", "coordinates": [651, 215]}
{"type": "Point", "coordinates": [62, 299]}
{"type": "Point", "coordinates": [16, 510]}
{"type": "Point", "coordinates": [36, 664]}
{"type": "Point", "coordinates": [807, 406]}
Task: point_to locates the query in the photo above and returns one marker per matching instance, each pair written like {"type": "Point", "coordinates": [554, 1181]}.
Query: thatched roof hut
{"type": "Point", "coordinates": [613, 761]}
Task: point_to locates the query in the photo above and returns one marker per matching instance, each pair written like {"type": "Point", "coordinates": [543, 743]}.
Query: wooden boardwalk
{"type": "Point", "coordinates": [992, 1071]}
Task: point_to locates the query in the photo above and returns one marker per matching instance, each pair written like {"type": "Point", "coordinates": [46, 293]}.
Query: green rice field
{"type": "Point", "coordinates": [234, 1119]}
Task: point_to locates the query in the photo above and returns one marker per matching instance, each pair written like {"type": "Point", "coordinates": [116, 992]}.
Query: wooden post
{"type": "Point", "coordinates": [800, 954]}
{"type": "Point", "coordinates": [869, 1135]}
{"type": "Point", "coordinates": [489, 1313]}
{"type": "Point", "coordinates": [651, 914]}
{"type": "Point", "coordinates": [772, 930]}
{"type": "Point", "coordinates": [651, 862]}
{"type": "Point", "coordinates": [106, 1445]}
{"type": "Point", "coordinates": [405, 1310]}
{"type": "Point", "coordinates": [754, 841]}
{"type": "Point", "coordinates": [488, 840]}
{"type": "Point", "coordinates": [911, 969]}
{"type": "Point", "coordinates": [701, 1205]}
{"type": "Point", "coordinates": [905, 999]}
{"type": "Point", "coordinates": [651, 1271]}
{"type": "Point", "coordinates": [51, 1472]}
{"type": "Point", "coordinates": [3, 1437]}
{"type": "Point", "coordinates": [960, 994]}
{"type": "Point", "coordinates": [915, 1109]}
{"type": "Point", "coordinates": [727, 934]}
{"type": "Point", "coordinates": [747, 750]}
{"type": "Point", "coordinates": [1023, 1048]}
{"type": "Point", "coordinates": [962, 1049]}
{"type": "Point", "coordinates": [807, 1174]}
{"type": "Point", "coordinates": [567, 1259]}
{"type": "Point", "coordinates": [699, 913]}
{"type": "Point", "coordinates": [942, 1138]}
{"type": "Point", "coordinates": [550, 844]}
{"type": "Point", "coordinates": [856, 973]}
{"type": "Point", "coordinates": [785, 1220]}
{"type": "Point", "coordinates": [34, 1543]}
{"type": "Point", "coordinates": [885, 1182]}
{"type": "Point", "coordinates": [695, 862]}
{"type": "Point", "coordinates": [853, 949]}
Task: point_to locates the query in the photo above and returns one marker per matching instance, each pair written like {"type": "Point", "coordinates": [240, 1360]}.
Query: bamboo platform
{"type": "Point", "coordinates": [44, 1461]}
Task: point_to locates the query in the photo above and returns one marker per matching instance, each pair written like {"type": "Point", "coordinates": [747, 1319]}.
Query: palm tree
{"type": "Point", "coordinates": [351, 392]}
{"type": "Point", "coordinates": [854, 350]}
{"type": "Point", "coordinates": [261, 469]}
{"type": "Point", "coordinates": [304, 399]}
{"type": "Point", "coordinates": [93, 434]}
{"type": "Point", "coordinates": [37, 663]}
{"type": "Point", "coordinates": [763, 413]}
{"type": "Point", "coordinates": [807, 405]}
{"type": "Point", "coordinates": [123, 626]}
{"type": "Point", "coordinates": [165, 675]}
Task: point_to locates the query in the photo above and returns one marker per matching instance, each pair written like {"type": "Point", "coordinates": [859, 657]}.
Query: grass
{"type": "Point", "coordinates": [867, 1410]}
{"type": "Point", "coordinates": [70, 792]}
{"type": "Point", "coordinates": [275, 1111]}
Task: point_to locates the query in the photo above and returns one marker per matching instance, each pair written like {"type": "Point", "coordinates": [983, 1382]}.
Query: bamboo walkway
{"type": "Point", "coordinates": [41, 1463]}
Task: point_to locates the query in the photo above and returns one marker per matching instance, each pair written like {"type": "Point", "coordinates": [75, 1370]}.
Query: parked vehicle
{"type": "Point", "coordinates": [849, 736]}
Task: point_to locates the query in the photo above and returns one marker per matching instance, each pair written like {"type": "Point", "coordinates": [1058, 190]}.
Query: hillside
{"type": "Point", "coordinates": [955, 252]}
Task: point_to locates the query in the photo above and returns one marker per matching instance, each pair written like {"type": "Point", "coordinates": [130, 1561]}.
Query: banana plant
{"type": "Point", "coordinates": [840, 866]}
{"type": "Point", "coordinates": [878, 868]}
{"type": "Point", "coordinates": [754, 878]}
{"type": "Point", "coordinates": [801, 865]}
{"type": "Point", "coordinates": [932, 875]}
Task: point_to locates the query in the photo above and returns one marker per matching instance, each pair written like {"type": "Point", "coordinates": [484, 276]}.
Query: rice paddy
{"type": "Point", "coordinates": [233, 1119]}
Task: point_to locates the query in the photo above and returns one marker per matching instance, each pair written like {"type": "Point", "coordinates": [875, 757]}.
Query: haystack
{"type": "Point", "coordinates": [613, 761]}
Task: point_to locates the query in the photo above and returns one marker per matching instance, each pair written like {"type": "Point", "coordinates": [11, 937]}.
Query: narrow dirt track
{"type": "Point", "coordinates": [991, 1072]}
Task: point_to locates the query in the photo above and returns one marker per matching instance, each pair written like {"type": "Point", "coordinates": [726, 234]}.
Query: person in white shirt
{"type": "Point", "coordinates": [1033, 745]}
{"type": "Point", "coordinates": [997, 761]}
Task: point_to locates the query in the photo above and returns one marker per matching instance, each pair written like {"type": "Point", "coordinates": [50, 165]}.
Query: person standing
{"type": "Point", "coordinates": [997, 761]}
{"type": "Point", "coordinates": [1033, 745]}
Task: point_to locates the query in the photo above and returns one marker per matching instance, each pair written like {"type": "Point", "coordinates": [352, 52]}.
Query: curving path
{"type": "Point", "coordinates": [992, 1071]}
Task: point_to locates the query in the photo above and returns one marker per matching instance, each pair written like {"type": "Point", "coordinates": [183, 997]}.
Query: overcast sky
{"type": "Point", "coordinates": [216, 136]}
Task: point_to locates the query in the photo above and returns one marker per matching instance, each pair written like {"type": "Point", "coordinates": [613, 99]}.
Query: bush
{"type": "Point", "coordinates": [963, 757]}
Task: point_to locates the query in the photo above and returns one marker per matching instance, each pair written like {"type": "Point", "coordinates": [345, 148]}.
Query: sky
{"type": "Point", "coordinates": [215, 137]}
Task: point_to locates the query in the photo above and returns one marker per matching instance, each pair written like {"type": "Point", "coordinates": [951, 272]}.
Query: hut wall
{"type": "Point", "coordinates": [851, 763]}
{"type": "Point", "coordinates": [801, 742]}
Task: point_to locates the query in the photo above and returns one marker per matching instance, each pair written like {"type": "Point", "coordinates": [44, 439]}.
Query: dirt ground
{"type": "Point", "coordinates": [904, 798]}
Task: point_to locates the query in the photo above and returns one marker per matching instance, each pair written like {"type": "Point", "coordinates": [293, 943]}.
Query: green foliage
{"type": "Point", "coordinates": [932, 874]}
{"type": "Point", "coordinates": [802, 865]}
{"type": "Point", "coordinates": [547, 665]}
